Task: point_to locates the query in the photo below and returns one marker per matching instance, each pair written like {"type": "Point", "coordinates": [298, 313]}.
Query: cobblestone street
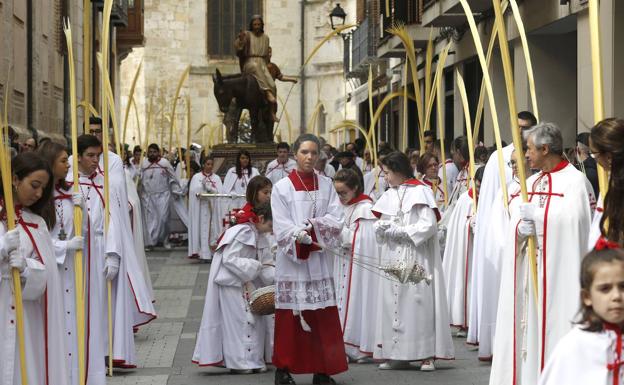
{"type": "Point", "coordinates": [165, 346]}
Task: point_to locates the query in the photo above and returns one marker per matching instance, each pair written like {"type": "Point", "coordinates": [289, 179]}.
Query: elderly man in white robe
{"type": "Point", "coordinates": [156, 185]}
{"type": "Point", "coordinates": [535, 312]}
{"type": "Point", "coordinates": [281, 166]}
{"type": "Point", "coordinates": [205, 213]}
{"type": "Point", "coordinates": [307, 216]}
{"type": "Point", "coordinates": [486, 270]}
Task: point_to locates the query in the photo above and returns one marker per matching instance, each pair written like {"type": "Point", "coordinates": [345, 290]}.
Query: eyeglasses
{"type": "Point", "coordinates": [594, 154]}
{"type": "Point", "coordinates": [511, 163]}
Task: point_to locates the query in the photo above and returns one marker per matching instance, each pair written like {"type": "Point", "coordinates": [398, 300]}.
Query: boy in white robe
{"type": "Point", "coordinates": [205, 213]}
{"type": "Point", "coordinates": [230, 335]}
{"type": "Point", "coordinates": [281, 166]}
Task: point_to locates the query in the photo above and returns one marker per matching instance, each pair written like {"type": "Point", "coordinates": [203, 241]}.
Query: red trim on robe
{"type": "Point", "coordinates": [310, 181]}
{"type": "Point", "coordinates": [615, 366]}
{"type": "Point", "coordinates": [319, 351]}
{"type": "Point", "coordinates": [359, 198]}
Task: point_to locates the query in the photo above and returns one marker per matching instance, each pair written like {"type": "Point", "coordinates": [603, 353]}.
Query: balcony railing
{"type": "Point", "coordinates": [401, 12]}
{"type": "Point", "coordinates": [363, 42]}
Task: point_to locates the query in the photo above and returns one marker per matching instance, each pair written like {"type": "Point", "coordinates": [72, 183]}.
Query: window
{"type": "Point", "coordinates": [225, 19]}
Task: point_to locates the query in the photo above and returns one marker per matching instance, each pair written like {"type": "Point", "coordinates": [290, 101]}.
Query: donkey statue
{"type": "Point", "coordinates": [237, 92]}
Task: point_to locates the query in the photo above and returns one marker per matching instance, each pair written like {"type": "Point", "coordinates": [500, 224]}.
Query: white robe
{"type": "Point", "coordinates": [582, 357]}
{"type": "Point", "coordinates": [595, 233]}
{"type": "Point", "coordinates": [232, 184]}
{"type": "Point", "coordinates": [486, 256]}
{"type": "Point", "coordinates": [136, 222]}
{"type": "Point", "coordinates": [329, 171]}
{"type": "Point", "coordinates": [230, 334]}
{"type": "Point", "coordinates": [205, 215]}
{"type": "Point", "coordinates": [457, 262]}
{"type": "Point", "coordinates": [132, 302]}
{"type": "Point", "coordinates": [357, 282]}
{"type": "Point", "coordinates": [42, 301]}
{"type": "Point", "coordinates": [276, 171]}
{"type": "Point", "coordinates": [486, 274]}
{"type": "Point", "coordinates": [412, 319]}
{"type": "Point", "coordinates": [375, 184]}
{"type": "Point", "coordinates": [155, 192]}
{"type": "Point", "coordinates": [565, 200]}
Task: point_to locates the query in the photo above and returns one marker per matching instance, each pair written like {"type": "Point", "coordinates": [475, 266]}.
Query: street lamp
{"type": "Point", "coordinates": [337, 16]}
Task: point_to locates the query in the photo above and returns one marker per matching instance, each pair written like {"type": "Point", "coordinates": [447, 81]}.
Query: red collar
{"type": "Point", "coordinates": [560, 166]}
{"type": "Point", "coordinates": [359, 198]}
{"type": "Point", "coordinates": [154, 161]}
{"type": "Point", "coordinates": [304, 182]}
{"type": "Point", "coordinates": [413, 182]}
{"type": "Point", "coordinates": [206, 175]}
{"type": "Point", "coordinates": [246, 214]}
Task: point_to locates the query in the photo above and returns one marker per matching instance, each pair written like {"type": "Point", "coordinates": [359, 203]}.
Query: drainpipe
{"type": "Point", "coordinates": [302, 107]}
{"type": "Point", "coordinates": [29, 71]}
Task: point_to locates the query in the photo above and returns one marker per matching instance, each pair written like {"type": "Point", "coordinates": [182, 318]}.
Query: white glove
{"type": "Point", "coordinates": [395, 232]}
{"type": "Point", "coordinates": [527, 211]}
{"type": "Point", "coordinates": [10, 242]}
{"type": "Point", "coordinates": [381, 226]}
{"type": "Point", "coordinates": [111, 266]}
{"type": "Point", "coordinates": [178, 193]}
{"type": "Point", "coordinates": [78, 199]}
{"type": "Point", "coordinates": [307, 226]}
{"type": "Point", "coordinates": [75, 243]}
{"type": "Point", "coordinates": [526, 228]}
{"type": "Point", "coordinates": [303, 237]}
{"type": "Point", "coordinates": [16, 261]}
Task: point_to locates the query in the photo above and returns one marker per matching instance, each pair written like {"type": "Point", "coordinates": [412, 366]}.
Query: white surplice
{"type": "Point", "coordinates": [205, 215]}
{"type": "Point", "coordinates": [451, 174]}
{"type": "Point", "coordinates": [595, 233]}
{"type": "Point", "coordinates": [457, 262]}
{"type": "Point", "coordinates": [42, 300]}
{"type": "Point", "coordinates": [156, 183]}
{"type": "Point", "coordinates": [486, 256]}
{"type": "Point", "coordinates": [329, 171]}
{"type": "Point", "coordinates": [232, 184]}
{"type": "Point", "coordinates": [375, 183]}
{"type": "Point", "coordinates": [412, 319]}
{"type": "Point", "coordinates": [276, 170]}
{"type": "Point", "coordinates": [357, 281]}
{"type": "Point", "coordinates": [583, 357]}
{"type": "Point", "coordinates": [230, 334]}
{"type": "Point", "coordinates": [526, 331]}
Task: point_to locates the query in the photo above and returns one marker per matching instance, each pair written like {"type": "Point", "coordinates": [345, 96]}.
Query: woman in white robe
{"type": "Point", "coordinates": [29, 249]}
{"type": "Point", "coordinates": [413, 323]}
{"type": "Point", "coordinates": [230, 335]}
{"type": "Point", "coordinates": [237, 178]}
{"type": "Point", "coordinates": [428, 166]}
{"type": "Point", "coordinates": [205, 214]}
{"type": "Point", "coordinates": [356, 280]}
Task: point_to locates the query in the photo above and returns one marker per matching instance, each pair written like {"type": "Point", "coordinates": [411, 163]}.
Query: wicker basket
{"type": "Point", "coordinates": [262, 301]}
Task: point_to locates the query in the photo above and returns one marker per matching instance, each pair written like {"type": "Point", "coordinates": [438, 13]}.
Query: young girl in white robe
{"type": "Point", "coordinates": [230, 335]}
{"type": "Point", "coordinates": [591, 353]}
{"type": "Point", "coordinates": [356, 280]}
{"type": "Point", "coordinates": [412, 323]}
{"type": "Point", "coordinates": [65, 245]}
{"type": "Point", "coordinates": [29, 249]}
{"type": "Point", "coordinates": [205, 214]}
{"type": "Point", "coordinates": [457, 261]}
{"type": "Point", "coordinates": [237, 178]}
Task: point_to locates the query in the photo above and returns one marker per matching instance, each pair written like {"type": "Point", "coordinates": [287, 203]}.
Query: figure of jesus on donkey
{"type": "Point", "coordinates": [255, 88]}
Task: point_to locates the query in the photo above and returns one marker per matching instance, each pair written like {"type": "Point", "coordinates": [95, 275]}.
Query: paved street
{"type": "Point", "coordinates": [165, 346]}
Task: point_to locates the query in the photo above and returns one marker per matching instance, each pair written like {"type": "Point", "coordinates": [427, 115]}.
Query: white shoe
{"type": "Point", "coordinates": [427, 366]}
{"type": "Point", "coordinates": [241, 371]}
{"type": "Point", "coordinates": [167, 245]}
{"type": "Point", "coordinates": [461, 334]}
{"type": "Point", "coordinates": [394, 365]}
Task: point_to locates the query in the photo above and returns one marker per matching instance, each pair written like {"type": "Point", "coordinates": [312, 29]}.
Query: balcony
{"type": "Point", "coordinates": [450, 13]}
{"type": "Point", "coordinates": [363, 49]}
{"type": "Point", "coordinates": [132, 35]}
{"type": "Point", "coordinates": [119, 12]}
{"type": "Point", "coordinates": [407, 12]}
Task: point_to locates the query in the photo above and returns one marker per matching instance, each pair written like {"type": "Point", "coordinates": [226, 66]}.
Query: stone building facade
{"type": "Point", "coordinates": [179, 33]}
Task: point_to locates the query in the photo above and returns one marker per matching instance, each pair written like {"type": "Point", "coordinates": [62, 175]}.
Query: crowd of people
{"type": "Point", "coordinates": [371, 260]}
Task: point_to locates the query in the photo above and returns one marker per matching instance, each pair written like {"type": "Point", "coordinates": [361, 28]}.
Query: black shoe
{"type": "Point", "coordinates": [322, 379]}
{"type": "Point", "coordinates": [282, 377]}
